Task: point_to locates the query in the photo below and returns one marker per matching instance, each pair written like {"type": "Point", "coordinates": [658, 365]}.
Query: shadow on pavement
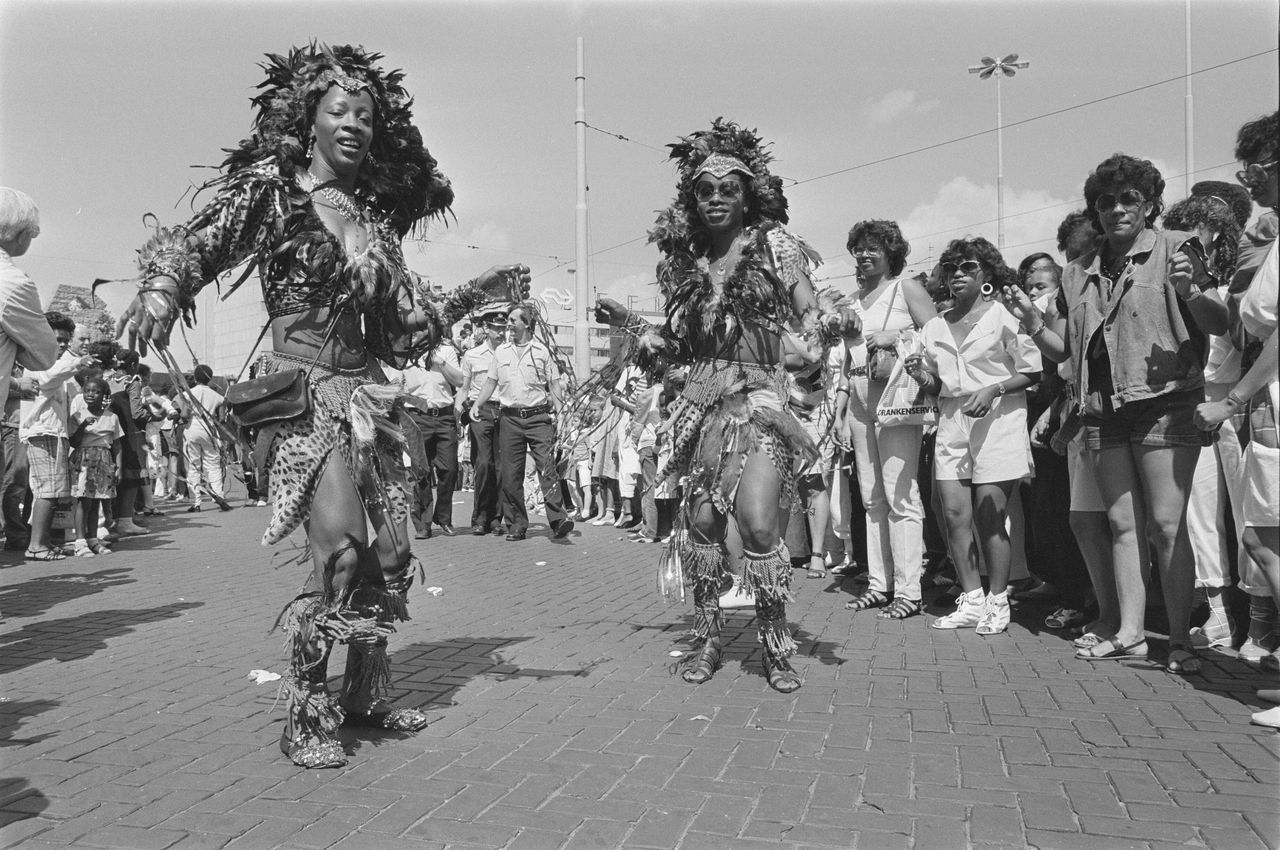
{"type": "Point", "coordinates": [37, 595]}
{"type": "Point", "coordinates": [20, 801]}
{"type": "Point", "coordinates": [13, 713]}
{"type": "Point", "coordinates": [73, 638]}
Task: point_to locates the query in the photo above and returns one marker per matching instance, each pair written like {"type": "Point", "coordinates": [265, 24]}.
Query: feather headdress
{"type": "Point", "coordinates": [400, 179]}
{"type": "Point", "coordinates": [675, 230]}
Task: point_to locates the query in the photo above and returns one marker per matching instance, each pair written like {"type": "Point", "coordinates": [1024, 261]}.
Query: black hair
{"type": "Point", "coordinates": [1256, 141]}
{"type": "Point", "coordinates": [60, 322]}
{"type": "Point", "coordinates": [104, 351]}
{"type": "Point", "coordinates": [202, 374]}
{"type": "Point", "coordinates": [1024, 267]}
{"type": "Point", "coordinates": [1075, 221]}
{"type": "Point", "coordinates": [976, 248]}
{"type": "Point", "coordinates": [1233, 195]}
{"type": "Point", "coordinates": [1123, 170]}
{"type": "Point", "coordinates": [888, 236]}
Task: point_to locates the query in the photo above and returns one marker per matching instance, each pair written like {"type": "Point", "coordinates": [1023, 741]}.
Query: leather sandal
{"type": "Point", "coordinates": [703, 665]}
{"type": "Point", "coordinates": [782, 676]}
{"type": "Point", "coordinates": [1182, 659]}
{"type": "Point", "coordinates": [867, 600]}
{"type": "Point", "coordinates": [395, 720]}
{"type": "Point", "coordinates": [900, 609]}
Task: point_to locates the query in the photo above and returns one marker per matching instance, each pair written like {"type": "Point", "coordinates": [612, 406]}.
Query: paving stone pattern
{"type": "Point", "coordinates": [128, 720]}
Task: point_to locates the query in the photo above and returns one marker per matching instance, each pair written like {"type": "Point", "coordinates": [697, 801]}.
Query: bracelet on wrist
{"type": "Point", "coordinates": [1037, 330]}
{"type": "Point", "coordinates": [1235, 401]}
{"type": "Point", "coordinates": [1001, 389]}
{"type": "Point", "coordinates": [1192, 295]}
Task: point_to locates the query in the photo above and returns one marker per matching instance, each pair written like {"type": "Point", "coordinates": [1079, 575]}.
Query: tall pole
{"type": "Point", "coordinates": [582, 284]}
{"type": "Point", "coordinates": [990, 67]}
{"type": "Point", "coordinates": [999, 168]}
{"type": "Point", "coordinates": [1190, 121]}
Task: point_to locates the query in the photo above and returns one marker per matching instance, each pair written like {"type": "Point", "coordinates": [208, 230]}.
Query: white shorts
{"type": "Point", "coordinates": [984, 451]}
{"type": "Point", "coordinates": [1085, 495]}
{"type": "Point", "coordinates": [1261, 467]}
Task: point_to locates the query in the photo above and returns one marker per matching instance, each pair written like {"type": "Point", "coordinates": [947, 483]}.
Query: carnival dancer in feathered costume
{"type": "Point", "coordinates": [739, 303]}
{"type": "Point", "coordinates": [316, 201]}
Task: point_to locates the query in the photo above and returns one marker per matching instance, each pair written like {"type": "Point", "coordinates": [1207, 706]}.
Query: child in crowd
{"type": "Point", "coordinates": [95, 448]}
{"type": "Point", "coordinates": [974, 358]}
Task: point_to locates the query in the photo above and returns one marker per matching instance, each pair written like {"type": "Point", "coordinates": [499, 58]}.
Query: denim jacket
{"type": "Point", "coordinates": [1152, 343]}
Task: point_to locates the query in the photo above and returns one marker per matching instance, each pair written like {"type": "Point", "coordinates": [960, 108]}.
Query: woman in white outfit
{"type": "Point", "coordinates": [890, 309]}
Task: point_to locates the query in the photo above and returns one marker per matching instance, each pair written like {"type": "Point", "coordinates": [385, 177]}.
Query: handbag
{"type": "Point", "coordinates": [904, 402]}
{"type": "Point", "coordinates": [880, 363]}
{"type": "Point", "coordinates": [278, 397]}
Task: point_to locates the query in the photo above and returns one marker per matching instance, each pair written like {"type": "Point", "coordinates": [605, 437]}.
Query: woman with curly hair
{"type": "Point", "coordinates": [973, 357]}
{"type": "Point", "coordinates": [738, 294]}
{"type": "Point", "coordinates": [317, 200]}
{"type": "Point", "coordinates": [1133, 316]}
{"type": "Point", "coordinates": [889, 309]}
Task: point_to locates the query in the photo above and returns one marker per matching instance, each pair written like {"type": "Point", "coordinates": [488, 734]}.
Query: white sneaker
{"type": "Point", "coordinates": [969, 610]}
{"type": "Point", "coordinates": [1253, 651]}
{"type": "Point", "coordinates": [129, 527]}
{"type": "Point", "coordinates": [1270, 717]}
{"type": "Point", "coordinates": [736, 596]}
{"type": "Point", "coordinates": [995, 614]}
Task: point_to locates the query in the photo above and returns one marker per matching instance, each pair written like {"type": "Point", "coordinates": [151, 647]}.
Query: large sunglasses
{"type": "Point", "coordinates": [1129, 199]}
{"type": "Point", "coordinates": [728, 191]}
{"type": "Point", "coordinates": [968, 267]}
{"type": "Point", "coordinates": [1254, 174]}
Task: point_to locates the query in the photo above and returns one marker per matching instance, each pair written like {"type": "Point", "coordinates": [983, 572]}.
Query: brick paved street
{"type": "Point", "coordinates": [129, 721]}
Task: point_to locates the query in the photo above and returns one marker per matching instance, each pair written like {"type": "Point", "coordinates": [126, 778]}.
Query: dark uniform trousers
{"type": "Point", "coordinates": [438, 430]}
{"type": "Point", "coordinates": [484, 459]}
{"type": "Point", "coordinates": [535, 432]}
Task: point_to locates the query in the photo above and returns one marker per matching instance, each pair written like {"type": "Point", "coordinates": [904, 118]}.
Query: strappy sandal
{"type": "Point", "coordinates": [395, 720]}
{"type": "Point", "coordinates": [900, 609]}
{"type": "Point", "coordinates": [83, 549]}
{"type": "Point", "coordinates": [819, 571]}
{"type": "Point", "coordinates": [867, 600]}
{"type": "Point", "coordinates": [703, 665]}
{"type": "Point", "coordinates": [1182, 659]}
{"type": "Point", "coordinates": [1064, 618]}
{"type": "Point", "coordinates": [782, 676]}
{"type": "Point", "coordinates": [44, 555]}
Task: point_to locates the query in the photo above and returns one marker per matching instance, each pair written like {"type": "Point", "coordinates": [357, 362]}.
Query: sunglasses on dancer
{"type": "Point", "coordinates": [727, 191]}
{"type": "Point", "coordinates": [1129, 199]}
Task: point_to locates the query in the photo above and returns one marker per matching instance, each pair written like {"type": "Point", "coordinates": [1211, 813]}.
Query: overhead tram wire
{"type": "Point", "coordinates": [975, 135]}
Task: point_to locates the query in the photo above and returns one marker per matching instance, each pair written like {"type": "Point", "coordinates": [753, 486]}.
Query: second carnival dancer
{"type": "Point", "coordinates": [738, 299]}
{"type": "Point", "coordinates": [318, 199]}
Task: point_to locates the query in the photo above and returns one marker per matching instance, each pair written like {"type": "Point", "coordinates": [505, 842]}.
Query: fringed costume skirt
{"type": "Point", "coordinates": [352, 415]}
{"type": "Point", "coordinates": [726, 412]}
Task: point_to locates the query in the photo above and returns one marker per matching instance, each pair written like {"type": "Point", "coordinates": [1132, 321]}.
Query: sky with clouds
{"type": "Point", "coordinates": [110, 107]}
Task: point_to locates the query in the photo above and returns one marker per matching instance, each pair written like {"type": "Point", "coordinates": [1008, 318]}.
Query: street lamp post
{"type": "Point", "coordinates": [1006, 67]}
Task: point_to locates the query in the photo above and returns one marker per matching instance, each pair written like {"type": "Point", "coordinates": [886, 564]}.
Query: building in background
{"type": "Point", "coordinates": [85, 308]}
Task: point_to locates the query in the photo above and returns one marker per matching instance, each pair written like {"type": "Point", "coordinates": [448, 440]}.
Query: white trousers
{"type": "Point", "coordinates": [204, 461]}
{"type": "Point", "coordinates": [1219, 477]}
{"type": "Point", "coordinates": [887, 462]}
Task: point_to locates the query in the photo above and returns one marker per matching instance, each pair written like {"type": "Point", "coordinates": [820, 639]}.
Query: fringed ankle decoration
{"type": "Point", "coordinates": [705, 565]}
{"type": "Point", "coordinates": [775, 637]}
{"type": "Point", "coordinates": [768, 575]}
{"type": "Point", "coordinates": [368, 677]}
{"type": "Point", "coordinates": [385, 604]}
{"type": "Point", "coordinates": [313, 717]}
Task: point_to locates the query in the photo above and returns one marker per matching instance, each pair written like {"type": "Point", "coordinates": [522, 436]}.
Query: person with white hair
{"type": "Point", "coordinates": [25, 336]}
